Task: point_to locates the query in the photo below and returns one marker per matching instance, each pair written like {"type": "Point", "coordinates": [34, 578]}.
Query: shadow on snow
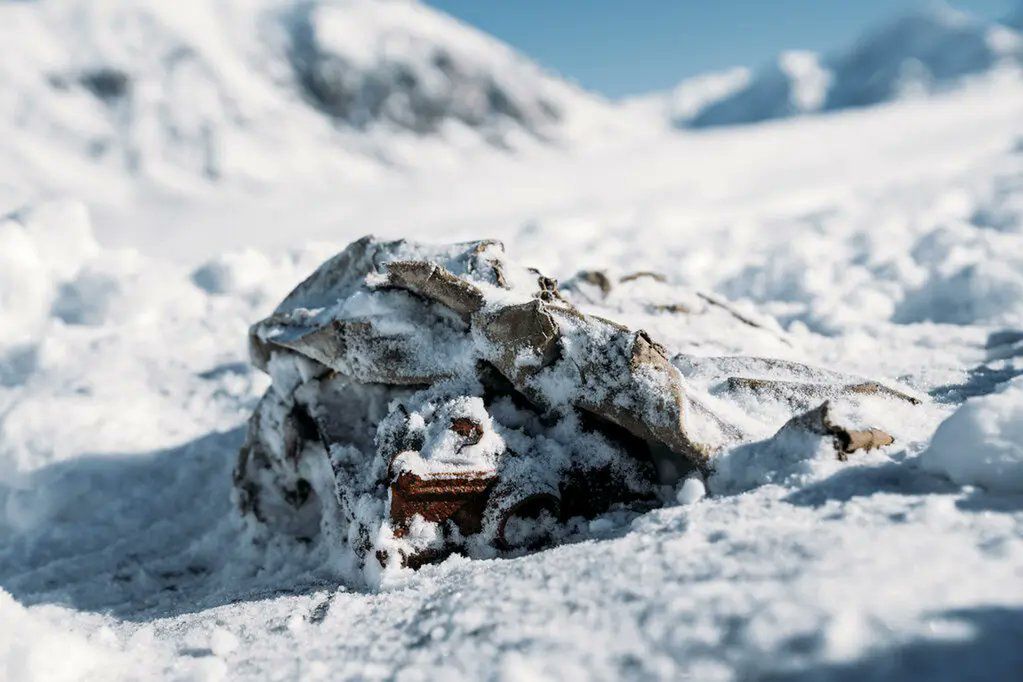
{"type": "Point", "coordinates": [138, 536]}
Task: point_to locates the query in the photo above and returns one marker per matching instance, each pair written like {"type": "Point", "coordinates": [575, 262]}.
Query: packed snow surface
{"type": "Point", "coordinates": [885, 242]}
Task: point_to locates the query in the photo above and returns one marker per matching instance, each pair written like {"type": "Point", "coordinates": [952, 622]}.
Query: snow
{"type": "Point", "coordinates": [691, 490]}
{"type": "Point", "coordinates": [884, 242]}
{"type": "Point", "coordinates": [933, 48]}
{"type": "Point", "coordinates": [37, 648]}
{"type": "Point", "coordinates": [689, 97]}
{"type": "Point", "coordinates": [982, 442]}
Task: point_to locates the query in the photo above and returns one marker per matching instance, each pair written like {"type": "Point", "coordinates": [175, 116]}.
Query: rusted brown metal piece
{"type": "Point", "coordinates": [458, 498]}
{"type": "Point", "coordinates": [468, 429]}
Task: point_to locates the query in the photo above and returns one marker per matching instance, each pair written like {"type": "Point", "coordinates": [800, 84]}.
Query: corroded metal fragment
{"type": "Point", "coordinates": [458, 498]}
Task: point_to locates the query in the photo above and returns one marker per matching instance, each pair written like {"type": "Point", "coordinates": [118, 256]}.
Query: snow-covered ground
{"type": "Point", "coordinates": [885, 241]}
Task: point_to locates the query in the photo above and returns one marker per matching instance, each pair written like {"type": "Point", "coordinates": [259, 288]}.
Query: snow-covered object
{"type": "Point", "coordinates": [928, 50]}
{"type": "Point", "coordinates": [982, 442]}
{"type": "Point", "coordinates": [251, 89]}
{"type": "Point", "coordinates": [430, 399]}
{"type": "Point", "coordinates": [124, 432]}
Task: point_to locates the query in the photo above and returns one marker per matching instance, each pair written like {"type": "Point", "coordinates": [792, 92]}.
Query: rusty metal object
{"type": "Point", "coordinates": [468, 429]}
{"type": "Point", "coordinates": [459, 498]}
{"type": "Point", "coordinates": [519, 505]}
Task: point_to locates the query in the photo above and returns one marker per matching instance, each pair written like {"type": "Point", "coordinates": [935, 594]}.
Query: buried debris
{"type": "Point", "coordinates": [435, 399]}
{"type": "Point", "coordinates": [846, 441]}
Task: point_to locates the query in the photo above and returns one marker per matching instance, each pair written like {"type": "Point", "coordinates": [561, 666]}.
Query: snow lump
{"type": "Point", "coordinates": [982, 442]}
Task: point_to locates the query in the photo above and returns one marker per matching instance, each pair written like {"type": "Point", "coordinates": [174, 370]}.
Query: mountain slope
{"type": "Point", "coordinates": [692, 95]}
{"type": "Point", "coordinates": [258, 89]}
{"type": "Point", "coordinates": [926, 51]}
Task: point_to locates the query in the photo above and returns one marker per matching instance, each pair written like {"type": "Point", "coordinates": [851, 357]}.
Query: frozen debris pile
{"type": "Point", "coordinates": [431, 399]}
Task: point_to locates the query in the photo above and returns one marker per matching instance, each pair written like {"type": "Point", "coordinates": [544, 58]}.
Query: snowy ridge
{"type": "Point", "coordinates": [927, 51]}
{"type": "Point", "coordinates": [691, 96]}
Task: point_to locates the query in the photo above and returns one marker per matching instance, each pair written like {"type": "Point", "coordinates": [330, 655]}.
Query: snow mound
{"type": "Point", "coordinates": [55, 644]}
{"type": "Point", "coordinates": [982, 442]}
{"type": "Point", "coordinates": [73, 316]}
{"type": "Point", "coordinates": [39, 247]}
{"type": "Point", "coordinates": [965, 275]}
{"type": "Point", "coordinates": [957, 264]}
{"type": "Point", "coordinates": [926, 51]}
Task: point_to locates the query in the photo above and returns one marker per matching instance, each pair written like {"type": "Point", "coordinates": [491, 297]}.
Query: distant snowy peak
{"type": "Point", "coordinates": [922, 52]}
{"type": "Point", "coordinates": [795, 83]}
{"type": "Point", "coordinates": [251, 87]}
{"type": "Point", "coordinates": [918, 52]}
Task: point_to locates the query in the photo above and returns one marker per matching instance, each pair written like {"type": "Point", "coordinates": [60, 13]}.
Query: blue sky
{"type": "Point", "coordinates": [632, 46]}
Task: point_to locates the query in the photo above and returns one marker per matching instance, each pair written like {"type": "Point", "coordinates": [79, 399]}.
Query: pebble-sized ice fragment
{"type": "Point", "coordinates": [692, 490]}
